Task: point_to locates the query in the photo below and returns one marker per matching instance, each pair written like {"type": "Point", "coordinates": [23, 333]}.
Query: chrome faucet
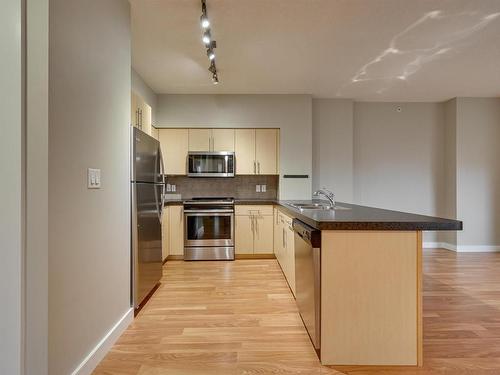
{"type": "Point", "coordinates": [327, 194]}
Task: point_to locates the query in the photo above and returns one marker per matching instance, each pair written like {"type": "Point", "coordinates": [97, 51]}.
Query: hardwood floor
{"type": "Point", "coordinates": [240, 318]}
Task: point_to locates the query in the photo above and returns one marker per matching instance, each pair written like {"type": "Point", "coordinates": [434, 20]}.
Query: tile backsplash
{"type": "Point", "coordinates": [239, 187]}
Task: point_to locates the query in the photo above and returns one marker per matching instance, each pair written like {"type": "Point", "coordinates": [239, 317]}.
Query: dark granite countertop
{"type": "Point", "coordinates": [367, 218]}
{"type": "Point", "coordinates": [355, 217]}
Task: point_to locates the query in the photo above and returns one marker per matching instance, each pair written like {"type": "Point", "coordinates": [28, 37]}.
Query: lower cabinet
{"type": "Point", "coordinates": [254, 230]}
{"type": "Point", "coordinates": [176, 230]}
{"type": "Point", "coordinates": [165, 235]}
{"type": "Point", "coordinates": [284, 246]}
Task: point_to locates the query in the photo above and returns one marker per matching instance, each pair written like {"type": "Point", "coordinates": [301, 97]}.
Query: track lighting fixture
{"type": "Point", "coordinates": [210, 44]}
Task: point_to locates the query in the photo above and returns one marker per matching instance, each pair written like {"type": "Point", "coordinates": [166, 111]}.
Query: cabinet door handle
{"type": "Point", "coordinates": [258, 166]}
{"type": "Point", "coordinates": [283, 237]}
{"type": "Point", "coordinates": [254, 167]}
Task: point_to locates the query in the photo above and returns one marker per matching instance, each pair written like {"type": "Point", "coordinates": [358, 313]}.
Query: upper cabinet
{"type": "Point", "coordinates": [244, 147]}
{"type": "Point", "coordinates": [222, 139]}
{"type": "Point", "coordinates": [266, 151]}
{"type": "Point", "coordinates": [174, 147]}
{"type": "Point", "coordinates": [140, 115]}
{"type": "Point", "coordinates": [211, 139]}
{"type": "Point", "coordinates": [256, 151]}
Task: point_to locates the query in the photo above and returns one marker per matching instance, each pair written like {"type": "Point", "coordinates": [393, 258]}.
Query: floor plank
{"type": "Point", "coordinates": [240, 318]}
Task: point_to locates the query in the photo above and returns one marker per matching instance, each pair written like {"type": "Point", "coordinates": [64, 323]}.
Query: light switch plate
{"type": "Point", "coordinates": [263, 188]}
{"type": "Point", "coordinates": [257, 188]}
{"type": "Point", "coordinates": [93, 178]}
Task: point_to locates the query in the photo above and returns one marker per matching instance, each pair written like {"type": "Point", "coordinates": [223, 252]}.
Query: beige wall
{"type": "Point", "coordinates": [291, 113]}
{"type": "Point", "coordinates": [12, 187]}
{"type": "Point", "coordinates": [333, 157]}
{"type": "Point", "coordinates": [37, 101]}
{"type": "Point", "coordinates": [478, 172]}
{"type": "Point", "coordinates": [89, 230]}
{"type": "Point", "coordinates": [449, 193]}
{"type": "Point", "coordinates": [399, 157]}
{"type": "Point", "coordinates": [141, 88]}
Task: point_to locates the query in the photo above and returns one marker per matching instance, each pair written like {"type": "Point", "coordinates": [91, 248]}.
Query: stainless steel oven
{"type": "Point", "coordinates": [211, 164]}
{"type": "Point", "coordinates": [209, 229]}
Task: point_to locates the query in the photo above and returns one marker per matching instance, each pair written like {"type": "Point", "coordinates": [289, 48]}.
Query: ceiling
{"type": "Point", "coordinates": [380, 50]}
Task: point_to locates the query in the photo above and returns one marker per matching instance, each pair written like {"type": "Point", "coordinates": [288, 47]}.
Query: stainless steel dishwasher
{"type": "Point", "coordinates": [308, 278]}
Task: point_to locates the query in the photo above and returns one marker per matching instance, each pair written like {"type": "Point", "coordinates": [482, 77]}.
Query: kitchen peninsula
{"type": "Point", "coordinates": [370, 282]}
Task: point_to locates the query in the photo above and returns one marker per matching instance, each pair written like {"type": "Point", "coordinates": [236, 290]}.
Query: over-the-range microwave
{"type": "Point", "coordinates": [211, 164]}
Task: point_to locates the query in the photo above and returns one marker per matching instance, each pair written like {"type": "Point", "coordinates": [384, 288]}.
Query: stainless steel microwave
{"type": "Point", "coordinates": [211, 164]}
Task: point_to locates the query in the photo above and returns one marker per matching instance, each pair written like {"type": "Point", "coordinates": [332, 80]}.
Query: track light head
{"type": "Point", "coordinates": [206, 37]}
{"type": "Point", "coordinates": [215, 79]}
{"type": "Point", "coordinates": [205, 23]}
{"type": "Point", "coordinates": [210, 54]}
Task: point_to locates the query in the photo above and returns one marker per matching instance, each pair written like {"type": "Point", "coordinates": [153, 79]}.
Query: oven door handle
{"type": "Point", "coordinates": [208, 211]}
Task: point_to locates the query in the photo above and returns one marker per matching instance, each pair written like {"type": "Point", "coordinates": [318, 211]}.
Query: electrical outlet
{"type": "Point", "coordinates": [263, 188]}
{"type": "Point", "coordinates": [93, 178]}
{"type": "Point", "coordinates": [257, 188]}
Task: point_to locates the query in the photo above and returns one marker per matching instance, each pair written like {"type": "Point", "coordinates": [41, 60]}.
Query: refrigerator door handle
{"type": "Point", "coordinates": [162, 198]}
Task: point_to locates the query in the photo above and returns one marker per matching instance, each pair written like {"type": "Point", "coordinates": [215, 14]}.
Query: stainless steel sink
{"type": "Point", "coordinates": [316, 206]}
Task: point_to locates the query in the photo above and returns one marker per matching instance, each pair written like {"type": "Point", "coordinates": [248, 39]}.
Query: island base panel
{"type": "Point", "coordinates": [371, 298]}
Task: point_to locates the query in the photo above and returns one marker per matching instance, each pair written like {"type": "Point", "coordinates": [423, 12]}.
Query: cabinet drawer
{"type": "Point", "coordinates": [262, 210]}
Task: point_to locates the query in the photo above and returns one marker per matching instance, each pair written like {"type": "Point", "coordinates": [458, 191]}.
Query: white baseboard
{"type": "Point", "coordinates": [97, 354]}
{"type": "Point", "coordinates": [462, 248]}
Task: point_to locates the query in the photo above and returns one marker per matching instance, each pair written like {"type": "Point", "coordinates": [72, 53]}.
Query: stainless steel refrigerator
{"type": "Point", "coordinates": [147, 208]}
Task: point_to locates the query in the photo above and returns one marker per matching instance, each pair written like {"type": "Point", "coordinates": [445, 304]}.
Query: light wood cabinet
{"type": "Point", "coordinates": [266, 151]}
{"type": "Point", "coordinates": [141, 114]}
{"type": "Point", "coordinates": [256, 151]}
{"type": "Point", "coordinates": [244, 147]}
{"type": "Point", "coordinates": [254, 230]}
{"type": "Point", "coordinates": [211, 139]}
{"type": "Point", "coordinates": [200, 139]}
{"type": "Point", "coordinates": [263, 236]}
{"type": "Point", "coordinates": [174, 147]}
{"type": "Point", "coordinates": [284, 248]}
{"type": "Point", "coordinates": [222, 139]}
{"type": "Point", "coordinates": [244, 234]}
{"type": "Point", "coordinates": [165, 233]}
{"type": "Point", "coordinates": [176, 230]}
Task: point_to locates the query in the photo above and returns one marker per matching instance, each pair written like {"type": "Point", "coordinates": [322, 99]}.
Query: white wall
{"type": "Point", "coordinates": [12, 187]}
{"type": "Point", "coordinates": [89, 230]}
{"type": "Point", "coordinates": [141, 88]}
{"type": "Point", "coordinates": [291, 113]}
{"type": "Point", "coordinates": [333, 154]}
{"type": "Point", "coordinates": [478, 172]}
{"type": "Point", "coordinates": [399, 157]}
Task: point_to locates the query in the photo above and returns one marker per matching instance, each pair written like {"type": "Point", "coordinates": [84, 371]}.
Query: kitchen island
{"type": "Point", "coordinates": [370, 282]}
